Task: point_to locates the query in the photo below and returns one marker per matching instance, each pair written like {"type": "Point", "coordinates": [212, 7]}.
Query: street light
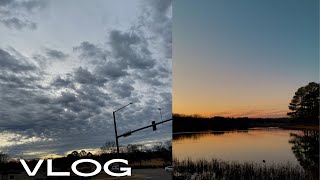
{"type": "Point", "coordinates": [160, 114]}
{"type": "Point", "coordinates": [115, 125]}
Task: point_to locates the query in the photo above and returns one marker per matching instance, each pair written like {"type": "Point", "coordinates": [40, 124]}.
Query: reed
{"type": "Point", "coordinates": [224, 170]}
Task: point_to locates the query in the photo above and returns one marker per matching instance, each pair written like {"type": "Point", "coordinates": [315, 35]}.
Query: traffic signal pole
{"type": "Point", "coordinates": [154, 124]}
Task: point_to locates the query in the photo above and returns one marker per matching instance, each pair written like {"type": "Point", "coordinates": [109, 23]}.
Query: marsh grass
{"type": "Point", "coordinates": [224, 170]}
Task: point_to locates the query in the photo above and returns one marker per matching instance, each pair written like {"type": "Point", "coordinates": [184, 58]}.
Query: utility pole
{"type": "Point", "coordinates": [115, 126]}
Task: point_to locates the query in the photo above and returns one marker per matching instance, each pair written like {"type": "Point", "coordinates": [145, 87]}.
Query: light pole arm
{"type": "Point", "coordinates": [130, 132]}
{"type": "Point", "coordinates": [123, 107]}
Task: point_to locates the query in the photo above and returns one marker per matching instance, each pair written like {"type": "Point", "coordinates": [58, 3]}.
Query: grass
{"type": "Point", "coordinates": [224, 170]}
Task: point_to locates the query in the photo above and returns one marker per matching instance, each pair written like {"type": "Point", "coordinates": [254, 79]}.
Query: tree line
{"type": "Point", "coordinates": [303, 109]}
{"type": "Point", "coordinates": [136, 154]}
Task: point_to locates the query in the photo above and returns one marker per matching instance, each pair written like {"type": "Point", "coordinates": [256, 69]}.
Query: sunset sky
{"type": "Point", "coordinates": [243, 58]}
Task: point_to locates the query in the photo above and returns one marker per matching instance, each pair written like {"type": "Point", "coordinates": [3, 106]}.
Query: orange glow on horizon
{"type": "Point", "coordinates": [213, 100]}
{"type": "Point", "coordinates": [235, 115]}
{"type": "Point", "coordinates": [210, 110]}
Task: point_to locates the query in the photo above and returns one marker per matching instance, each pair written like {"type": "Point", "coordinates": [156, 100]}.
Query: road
{"type": "Point", "coordinates": [151, 174]}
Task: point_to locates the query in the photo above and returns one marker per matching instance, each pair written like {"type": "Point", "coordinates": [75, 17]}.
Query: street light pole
{"type": "Point", "coordinates": [160, 114]}
{"type": "Point", "coordinates": [115, 126]}
{"type": "Point", "coordinates": [116, 132]}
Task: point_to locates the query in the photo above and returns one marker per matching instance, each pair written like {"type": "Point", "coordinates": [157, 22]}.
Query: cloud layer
{"type": "Point", "coordinates": [14, 14]}
{"type": "Point", "coordinates": [52, 111]}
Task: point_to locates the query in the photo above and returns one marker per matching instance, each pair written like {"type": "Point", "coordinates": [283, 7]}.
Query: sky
{"type": "Point", "coordinates": [66, 65]}
{"type": "Point", "coordinates": [243, 58]}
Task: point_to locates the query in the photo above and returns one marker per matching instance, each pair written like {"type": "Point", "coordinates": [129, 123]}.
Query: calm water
{"type": "Point", "coordinates": [270, 144]}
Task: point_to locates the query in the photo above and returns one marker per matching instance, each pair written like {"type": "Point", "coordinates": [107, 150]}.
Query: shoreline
{"type": "Point", "coordinates": [286, 127]}
{"type": "Point", "coordinates": [198, 124]}
{"type": "Point", "coordinates": [301, 127]}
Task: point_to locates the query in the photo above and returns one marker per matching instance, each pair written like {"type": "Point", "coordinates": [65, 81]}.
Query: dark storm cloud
{"type": "Point", "coordinates": [80, 75]}
{"type": "Point", "coordinates": [74, 110]}
{"type": "Point", "coordinates": [17, 72]}
{"type": "Point", "coordinates": [123, 89]}
{"type": "Point", "coordinates": [160, 12]}
{"type": "Point", "coordinates": [14, 13]}
{"type": "Point", "coordinates": [19, 24]}
{"type": "Point", "coordinates": [91, 52]}
{"type": "Point", "coordinates": [66, 98]}
{"type": "Point", "coordinates": [29, 5]}
{"type": "Point", "coordinates": [5, 2]}
{"type": "Point", "coordinates": [157, 76]}
{"type": "Point", "coordinates": [66, 82]}
{"type": "Point", "coordinates": [56, 54]}
{"type": "Point", "coordinates": [112, 70]}
{"type": "Point", "coordinates": [38, 112]}
{"type": "Point", "coordinates": [48, 56]}
{"type": "Point", "coordinates": [83, 76]}
{"type": "Point", "coordinates": [11, 63]}
{"type": "Point", "coordinates": [132, 48]}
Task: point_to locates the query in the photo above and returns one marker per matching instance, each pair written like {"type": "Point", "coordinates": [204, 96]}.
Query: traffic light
{"type": "Point", "coordinates": [127, 134]}
{"type": "Point", "coordinates": [154, 127]}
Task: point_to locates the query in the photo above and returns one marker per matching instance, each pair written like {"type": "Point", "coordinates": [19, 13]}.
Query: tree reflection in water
{"type": "Point", "coordinates": [306, 149]}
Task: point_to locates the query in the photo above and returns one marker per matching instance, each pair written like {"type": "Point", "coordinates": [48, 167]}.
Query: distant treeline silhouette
{"type": "Point", "coordinates": [185, 123]}
{"type": "Point", "coordinates": [134, 153]}
{"type": "Point", "coordinates": [198, 135]}
{"type": "Point", "coordinates": [303, 110]}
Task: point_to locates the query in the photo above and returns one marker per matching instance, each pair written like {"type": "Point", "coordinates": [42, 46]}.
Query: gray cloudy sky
{"type": "Point", "coordinates": [65, 65]}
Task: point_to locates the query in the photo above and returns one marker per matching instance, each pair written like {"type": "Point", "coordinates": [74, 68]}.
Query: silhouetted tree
{"type": "Point", "coordinates": [305, 103]}
{"type": "Point", "coordinates": [83, 153]}
{"type": "Point", "coordinates": [3, 157]}
{"type": "Point", "coordinates": [132, 148]}
{"type": "Point", "coordinates": [75, 153]}
{"type": "Point", "coordinates": [169, 145]}
{"type": "Point", "coordinates": [108, 147]}
{"type": "Point", "coordinates": [89, 154]}
{"type": "Point", "coordinates": [158, 147]}
{"type": "Point", "coordinates": [135, 152]}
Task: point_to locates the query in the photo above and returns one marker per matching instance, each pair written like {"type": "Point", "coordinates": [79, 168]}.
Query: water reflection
{"type": "Point", "coordinates": [196, 136]}
{"type": "Point", "coordinates": [253, 145]}
{"type": "Point", "coordinates": [305, 147]}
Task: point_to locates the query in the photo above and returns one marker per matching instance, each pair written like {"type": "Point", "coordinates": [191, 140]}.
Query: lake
{"type": "Point", "coordinates": [274, 145]}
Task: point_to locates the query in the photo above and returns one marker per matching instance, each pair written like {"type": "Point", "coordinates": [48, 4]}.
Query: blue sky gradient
{"type": "Point", "coordinates": [243, 55]}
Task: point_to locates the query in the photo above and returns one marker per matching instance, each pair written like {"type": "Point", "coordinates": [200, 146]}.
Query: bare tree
{"type": "Point", "coordinates": [133, 148]}
{"type": "Point", "coordinates": [159, 147]}
{"type": "Point", "coordinates": [168, 145]}
{"type": "Point", "coordinates": [108, 147]}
